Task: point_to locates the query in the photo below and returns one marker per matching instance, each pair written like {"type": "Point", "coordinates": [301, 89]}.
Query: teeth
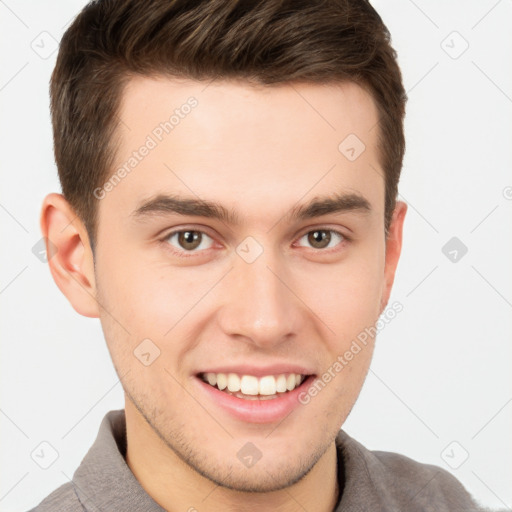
{"type": "Point", "coordinates": [222, 381]}
{"type": "Point", "coordinates": [251, 385]}
{"type": "Point", "coordinates": [281, 383]}
{"type": "Point", "coordinates": [233, 382]}
{"type": "Point", "coordinates": [268, 385]}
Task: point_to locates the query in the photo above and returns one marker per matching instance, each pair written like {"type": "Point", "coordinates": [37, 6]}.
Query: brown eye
{"type": "Point", "coordinates": [319, 239]}
{"type": "Point", "coordinates": [322, 238]}
{"type": "Point", "coordinates": [189, 240]}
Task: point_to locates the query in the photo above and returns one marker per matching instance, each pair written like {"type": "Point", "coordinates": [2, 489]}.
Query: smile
{"type": "Point", "coordinates": [268, 397]}
{"type": "Point", "coordinates": [250, 387]}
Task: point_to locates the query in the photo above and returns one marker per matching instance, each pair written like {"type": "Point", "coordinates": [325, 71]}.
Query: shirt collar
{"type": "Point", "coordinates": [103, 481]}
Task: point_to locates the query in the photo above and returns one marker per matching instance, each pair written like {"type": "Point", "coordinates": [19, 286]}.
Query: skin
{"type": "Point", "coordinates": [296, 303]}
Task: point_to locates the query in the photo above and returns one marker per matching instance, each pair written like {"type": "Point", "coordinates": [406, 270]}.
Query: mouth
{"type": "Point", "coordinates": [252, 394]}
{"type": "Point", "coordinates": [251, 387]}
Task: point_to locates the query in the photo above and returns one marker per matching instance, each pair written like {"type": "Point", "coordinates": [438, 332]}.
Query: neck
{"type": "Point", "coordinates": [175, 485]}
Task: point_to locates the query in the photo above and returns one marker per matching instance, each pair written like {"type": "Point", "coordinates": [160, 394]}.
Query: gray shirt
{"type": "Point", "coordinates": [373, 481]}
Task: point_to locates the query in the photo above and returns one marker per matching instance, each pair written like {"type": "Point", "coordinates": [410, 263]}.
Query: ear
{"type": "Point", "coordinates": [69, 254]}
{"type": "Point", "coordinates": [393, 250]}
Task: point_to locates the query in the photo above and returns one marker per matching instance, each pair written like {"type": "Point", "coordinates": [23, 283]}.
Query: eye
{"type": "Point", "coordinates": [322, 238]}
{"type": "Point", "coordinates": [188, 240]}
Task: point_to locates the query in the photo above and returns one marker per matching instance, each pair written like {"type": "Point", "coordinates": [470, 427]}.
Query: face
{"type": "Point", "coordinates": [254, 281]}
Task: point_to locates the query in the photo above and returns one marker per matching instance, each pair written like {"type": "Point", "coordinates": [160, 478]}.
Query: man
{"type": "Point", "coordinates": [229, 175]}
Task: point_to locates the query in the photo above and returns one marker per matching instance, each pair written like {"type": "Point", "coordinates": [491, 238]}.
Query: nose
{"type": "Point", "coordinates": [261, 306]}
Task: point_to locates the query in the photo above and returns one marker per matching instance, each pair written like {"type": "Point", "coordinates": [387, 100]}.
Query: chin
{"type": "Point", "coordinates": [268, 477]}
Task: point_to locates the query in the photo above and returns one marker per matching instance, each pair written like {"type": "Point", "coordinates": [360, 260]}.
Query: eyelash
{"type": "Point", "coordinates": [195, 252]}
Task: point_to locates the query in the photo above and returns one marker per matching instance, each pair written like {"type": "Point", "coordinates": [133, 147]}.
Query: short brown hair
{"type": "Point", "coordinates": [266, 42]}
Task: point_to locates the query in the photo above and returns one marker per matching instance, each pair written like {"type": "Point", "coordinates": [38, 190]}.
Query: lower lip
{"type": "Point", "coordinates": [256, 411]}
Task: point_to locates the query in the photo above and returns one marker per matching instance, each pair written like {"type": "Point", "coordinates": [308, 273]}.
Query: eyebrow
{"type": "Point", "coordinates": [318, 206]}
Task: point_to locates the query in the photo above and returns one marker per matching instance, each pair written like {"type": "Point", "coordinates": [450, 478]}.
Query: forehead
{"type": "Point", "coordinates": [247, 146]}
{"type": "Point", "coordinates": [232, 104]}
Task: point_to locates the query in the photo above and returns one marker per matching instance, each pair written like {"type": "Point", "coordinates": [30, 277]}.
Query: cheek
{"type": "Point", "coordinates": [150, 301]}
{"type": "Point", "coordinates": [139, 293]}
{"type": "Point", "coordinates": [347, 296]}
{"type": "Point", "coordinates": [138, 318]}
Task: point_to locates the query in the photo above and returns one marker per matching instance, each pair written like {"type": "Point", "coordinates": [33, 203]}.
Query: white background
{"type": "Point", "coordinates": [441, 370]}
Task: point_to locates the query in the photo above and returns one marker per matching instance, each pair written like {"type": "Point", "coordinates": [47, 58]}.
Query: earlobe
{"type": "Point", "coordinates": [393, 250]}
{"type": "Point", "coordinates": [69, 254]}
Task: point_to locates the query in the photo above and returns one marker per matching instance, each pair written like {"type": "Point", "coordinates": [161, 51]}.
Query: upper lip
{"type": "Point", "coordinates": [259, 371]}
